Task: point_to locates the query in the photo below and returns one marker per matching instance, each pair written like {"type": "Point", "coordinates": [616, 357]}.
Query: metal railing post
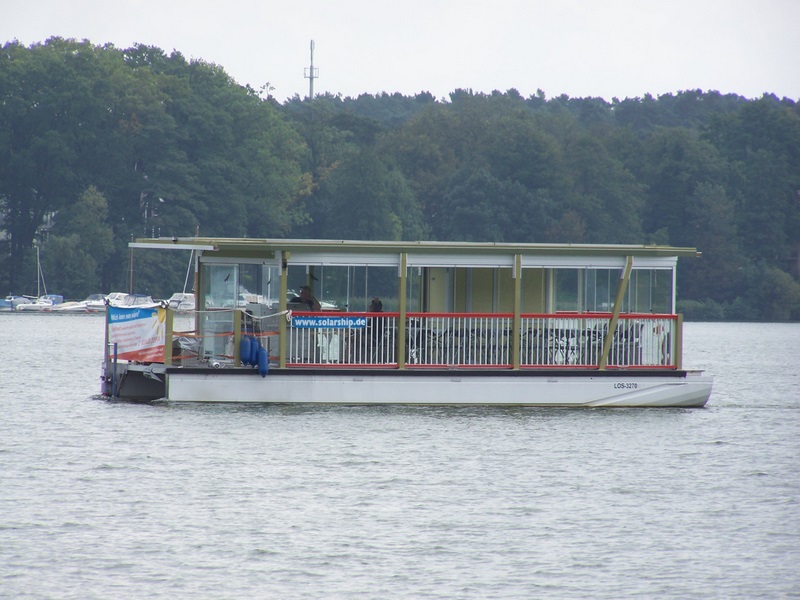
{"type": "Point", "coordinates": [237, 337]}
{"type": "Point", "coordinates": [168, 326]}
{"type": "Point", "coordinates": [402, 319]}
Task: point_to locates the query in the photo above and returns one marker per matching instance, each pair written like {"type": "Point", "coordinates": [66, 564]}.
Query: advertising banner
{"type": "Point", "coordinates": [329, 322]}
{"type": "Point", "coordinates": [138, 332]}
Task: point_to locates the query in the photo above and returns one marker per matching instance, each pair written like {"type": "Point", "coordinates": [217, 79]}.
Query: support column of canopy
{"type": "Point", "coordinates": [168, 327]}
{"type": "Point", "coordinates": [517, 322]}
{"type": "Point", "coordinates": [401, 320]}
{"type": "Point", "coordinates": [612, 324]}
{"type": "Point", "coordinates": [284, 288]}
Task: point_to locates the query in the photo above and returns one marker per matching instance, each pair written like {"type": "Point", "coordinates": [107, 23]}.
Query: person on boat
{"type": "Point", "coordinates": [377, 325]}
{"type": "Point", "coordinates": [306, 297]}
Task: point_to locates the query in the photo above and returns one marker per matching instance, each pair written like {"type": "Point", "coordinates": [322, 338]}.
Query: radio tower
{"type": "Point", "coordinates": [311, 74]}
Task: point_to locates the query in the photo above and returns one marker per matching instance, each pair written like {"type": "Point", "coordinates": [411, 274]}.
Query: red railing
{"type": "Point", "coordinates": [576, 339]}
{"type": "Point", "coordinates": [446, 340]}
{"type": "Point", "coordinates": [451, 340]}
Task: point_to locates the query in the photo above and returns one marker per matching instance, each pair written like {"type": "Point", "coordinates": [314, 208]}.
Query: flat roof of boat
{"type": "Point", "coordinates": [257, 245]}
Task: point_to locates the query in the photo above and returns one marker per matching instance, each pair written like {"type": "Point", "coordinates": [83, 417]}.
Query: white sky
{"type": "Point", "coordinates": [606, 48]}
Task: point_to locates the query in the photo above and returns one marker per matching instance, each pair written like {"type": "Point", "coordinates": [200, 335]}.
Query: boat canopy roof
{"type": "Point", "coordinates": [424, 253]}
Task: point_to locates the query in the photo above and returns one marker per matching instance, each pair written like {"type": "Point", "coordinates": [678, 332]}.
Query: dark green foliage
{"type": "Point", "coordinates": [478, 207]}
{"type": "Point", "coordinates": [78, 244]}
{"type": "Point", "coordinates": [100, 145]}
{"type": "Point", "coordinates": [172, 145]}
{"type": "Point", "coordinates": [702, 310]}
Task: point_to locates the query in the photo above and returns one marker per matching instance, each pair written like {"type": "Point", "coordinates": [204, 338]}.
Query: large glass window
{"type": "Point", "coordinates": [566, 287]}
{"type": "Point", "coordinates": [650, 291]}
{"type": "Point", "coordinates": [600, 287]}
{"type": "Point", "coordinates": [258, 284]}
{"type": "Point", "coordinates": [237, 285]}
{"type": "Point", "coordinates": [415, 285]}
{"type": "Point", "coordinates": [594, 290]}
{"type": "Point", "coordinates": [219, 285]}
{"type": "Point", "coordinates": [348, 287]}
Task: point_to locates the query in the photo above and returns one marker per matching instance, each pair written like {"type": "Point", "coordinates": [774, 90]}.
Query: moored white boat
{"type": "Point", "coordinates": [94, 303]}
{"type": "Point", "coordinates": [181, 301]}
{"type": "Point", "coordinates": [44, 303]}
{"type": "Point", "coordinates": [465, 324]}
{"type": "Point", "coordinates": [115, 298]}
{"type": "Point", "coordinates": [121, 300]}
{"type": "Point", "coordinates": [11, 302]}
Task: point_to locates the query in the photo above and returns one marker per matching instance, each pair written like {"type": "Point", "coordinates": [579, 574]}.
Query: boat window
{"type": "Point", "coordinates": [258, 284]}
{"type": "Point", "coordinates": [594, 290]}
{"type": "Point", "coordinates": [566, 290]}
{"type": "Point", "coordinates": [650, 291]}
{"type": "Point", "coordinates": [346, 287]}
{"type": "Point", "coordinates": [461, 289]}
{"type": "Point", "coordinates": [599, 289]}
{"type": "Point", "coordinates": [414, 288]}
{"type": "Point", "coordinates": [369, 282]}
{"type": "Point", "coordinates": [219, 285]}
{"type": "Point", "coordinates": [484, 290]}
{"type": "Point", "coordinates": [534, 288]}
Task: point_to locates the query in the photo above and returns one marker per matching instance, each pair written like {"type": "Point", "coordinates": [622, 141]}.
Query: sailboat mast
{"type": "Point", "coordinates": [40, 284]}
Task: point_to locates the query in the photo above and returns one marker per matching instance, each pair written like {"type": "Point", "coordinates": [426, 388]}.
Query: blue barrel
{"type": "Point", "coordinates": [244, 349]}
{"type": "Point", "coordinates": [263, 362]}
{"type": "Point", "coordinates": [254, 346]}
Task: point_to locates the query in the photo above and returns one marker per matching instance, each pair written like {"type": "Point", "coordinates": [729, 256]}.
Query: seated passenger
{"type": "Point", "coordinates": [376, 325]}
{"type": "Point", "coordinates": [375, 305]}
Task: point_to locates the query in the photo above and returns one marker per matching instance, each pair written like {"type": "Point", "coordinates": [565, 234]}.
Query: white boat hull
{"type": "Point", "coordinates": [35, 307]}
{"type": "Point", "coordinates": [686, 389]}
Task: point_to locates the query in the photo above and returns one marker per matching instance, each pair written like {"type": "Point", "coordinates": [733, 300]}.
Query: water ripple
{"type": "Point", "coordinates": [107, 499]}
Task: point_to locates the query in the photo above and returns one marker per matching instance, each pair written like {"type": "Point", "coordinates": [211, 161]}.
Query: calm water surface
{"type": "Point", "coordinates": [101, 499]}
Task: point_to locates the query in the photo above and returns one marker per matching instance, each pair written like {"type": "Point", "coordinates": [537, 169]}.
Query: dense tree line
{"type": "Point", "coordinates": [99, 145]}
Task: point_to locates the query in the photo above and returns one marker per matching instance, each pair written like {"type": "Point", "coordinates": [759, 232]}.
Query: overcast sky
{"type": "Point", "coordinates": [605, 48]}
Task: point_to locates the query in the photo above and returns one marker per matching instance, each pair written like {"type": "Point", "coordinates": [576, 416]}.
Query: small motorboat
{"type": "Point", "coordinates": [136, 301]}
{"type": "Point", "coordinates": [181, 301]}
{"type": "Point", "coordinates": [94, 303]}
{"type": "Point", "coordinates": [11, 302]}
{"type": "Point", "coordinates": [42, 303]}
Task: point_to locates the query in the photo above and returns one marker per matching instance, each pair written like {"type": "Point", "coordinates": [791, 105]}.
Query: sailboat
{"type": "Point", "coordinates": [43, 302]}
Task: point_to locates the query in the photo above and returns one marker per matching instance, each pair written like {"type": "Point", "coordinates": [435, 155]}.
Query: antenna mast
{"type": "Point", "coordinates": [311, 74]}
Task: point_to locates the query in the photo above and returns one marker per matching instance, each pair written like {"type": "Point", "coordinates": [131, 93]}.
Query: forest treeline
{"type": "Point", "coordinates": [100, 145]}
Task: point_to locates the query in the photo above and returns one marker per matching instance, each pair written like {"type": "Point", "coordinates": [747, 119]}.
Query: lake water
{"type": "Point", "coordinates": [102, 499]}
